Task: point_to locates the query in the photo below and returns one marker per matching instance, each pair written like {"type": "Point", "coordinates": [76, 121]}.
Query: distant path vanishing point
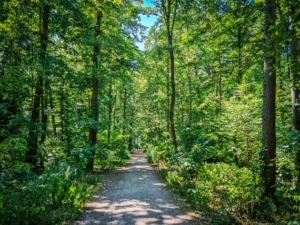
{"type": "Point", "coordinates": [134, 195]}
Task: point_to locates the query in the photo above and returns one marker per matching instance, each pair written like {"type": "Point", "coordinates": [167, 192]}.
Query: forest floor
{"type": "Point", "coordinates": [133, 194]}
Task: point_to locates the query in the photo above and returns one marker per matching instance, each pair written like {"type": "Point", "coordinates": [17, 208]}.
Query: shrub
{"type": "Point", "coordinates": [226, 188]}
{"type": "Point", "coordinates": [55, 196]}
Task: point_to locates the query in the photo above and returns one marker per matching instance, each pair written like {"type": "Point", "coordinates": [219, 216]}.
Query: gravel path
{"type": "Point", "coordinates": [133, 195]}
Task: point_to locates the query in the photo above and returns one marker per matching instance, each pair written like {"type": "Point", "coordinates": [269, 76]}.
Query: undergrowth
{"type": "Point", "coordinates": [58, 192]}
{"type": "Point", "coordinates": [224, 192]}
{"type": "Point", "coordinates": [57, 195]}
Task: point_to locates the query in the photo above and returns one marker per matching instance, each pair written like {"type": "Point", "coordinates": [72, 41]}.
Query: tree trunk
{"type": "Point", "coordinates": [170, 22]}
{"type": "Point", "coordinates": [269, 96]}
{"type": "Point", "coordinates": [95, 85]}
{"type": "Point", "coordinates": [173, 92]}
{"type": "Point", "coordinates": [31, 155]}
{"type": "Point", "coordinates": [124, 110]}
{"type": "Point", "coordinates": [240, 74]}
{"type": "Point", "coordinates": [294, 70]}
{"type": "Point", "coordinates": [130, 139]}
{"type": "Point", "coordinates": [190, 101]}
{"type": "Point", "coordinates": [109, 112]}
{"type": "Point", "coordinates": [44, 102]}
{"type": "Point", "coordinates": [62, 111]}
{"type": "Point", "coordinates": [115, 108]}
{"type": "Point", "coordinates": [168, 99]}
{"type": "Point", "coordinates": [52, 112]}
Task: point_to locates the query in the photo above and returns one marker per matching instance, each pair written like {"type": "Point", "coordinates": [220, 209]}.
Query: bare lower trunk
{"type": "Point", "coordinates": [269, 113]}
{"type": "Point", "coordinates": [124, 109]}
{"type": "Point", "coordinates": [52, 112]}
{"type": "Point", "coordinates": [109, 113]}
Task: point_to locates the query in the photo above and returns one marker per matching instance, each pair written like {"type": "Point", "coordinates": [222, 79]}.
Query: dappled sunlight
{"type": "Point", "coordinates": [134, 212]}
{"type": "Point", "coordinates": [134, 195]}
{"type": "Point", "coordinates": [159, 184]}
{"type": "Point", "coordinates": [137, 163]}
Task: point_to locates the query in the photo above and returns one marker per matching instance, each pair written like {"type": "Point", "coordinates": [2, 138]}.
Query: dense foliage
{"type": "Point", "coordinates": [48, 64]}
{"type": "Point", "coordinates": [213, 99]}
{"type": "Point", "coordinates": [227, 161]}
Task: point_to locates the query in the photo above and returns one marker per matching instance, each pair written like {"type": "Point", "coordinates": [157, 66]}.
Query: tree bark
{"type": "Point", "coordinates": [240, 74]}
{"type": "Point", "coordinates": [173, 94]}
{"type": "Point", "coordinates": [190, 101]}
{"type": "Point", "coordinates": [130, 139]}
{"type": "Point", "coordinates": [62, 110]}
{"type": "Point", "coordinates": [44, 102]}
{"type": "Point", "coordinates": [109, 113]}
{"type": "Point", "coordinates": [294, 70]}
{"type": "Point", "coordinates": [115, 108]}
{"type": "Point", "coordinates": [269, 96]}
{"type": "Point", "coordinates": [170, 22]}
{"type": "Point", "coordinates": [52, 112]}
{"type": "Point", "coordinates": [124, 109]}
{"type": "Point", "coordinates": [31, 155]}
{"type": "Point", "coordinates": [95, 86]}
{"type": "Point", "coordinates": [168, 99]}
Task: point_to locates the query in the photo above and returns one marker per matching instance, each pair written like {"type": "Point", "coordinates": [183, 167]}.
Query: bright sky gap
{"type": "Point", "coordinates": [146, 21]}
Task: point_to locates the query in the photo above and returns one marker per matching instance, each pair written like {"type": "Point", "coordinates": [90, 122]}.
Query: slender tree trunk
{"type": "Point", "coordinates": [280, 84]}
{"type": "Point", "coordinates": [269, 96]}
{"type": "Point", "coordinates": [168, 99]}
{"type": "Point", "coordinates": [130, 139]}
{"type": "Point", "coordinates": [44, 43]}
{"type": "Point", "coordinates": [124, 109]}
{"type": "Point", "coordinates": [95, 92]}
{"type": "Point", "coordinates": [109, 112]}
{"type": "Point", "coordinates": [240, 75]}
{"type": "Point", "coordinates": [220, 90]}
{"type": "Point", "coordinates": [190, 101]}
{"type": "Point", "coordinates": [173, 94]}
{"type": "Point", "coordinates": [44, 102]}
{"type": "Point", "coordinates": [169, 14]}
{"type": "Point", "coordinates": [216, 77]}
{"type": "Point", "coordinates": [62, 111]}
{"type": "Point", "coordinates": [220, 136]}
{"type": "Point", "coordinates": [294, 70]}
{"type": "Point", "coordinates": [52, 112]}
{"type": "Point", "coordinates": [115, 108]}
{"type": "Point", "coordinates": [31, 155]}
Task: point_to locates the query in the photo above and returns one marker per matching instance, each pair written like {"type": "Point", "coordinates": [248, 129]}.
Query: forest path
{"type": "Point", "coordinates": [134, 195]}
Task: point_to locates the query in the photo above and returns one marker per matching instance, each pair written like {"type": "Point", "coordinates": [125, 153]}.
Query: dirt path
{"type": "Point", "coordinates": [134, 195]}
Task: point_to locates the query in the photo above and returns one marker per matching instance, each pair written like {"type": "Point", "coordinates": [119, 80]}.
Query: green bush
{"type": "Point", "coordinates": [226, 188]}
{"type": "Point", "coordinates": [123, 153]}
{"type": "Point", "coordinates": [111, 154]}
{"type": "Point", "coordinates": [156, 153]}
{"type": "Point", "coordinates": [51, 198]}
{"type": "Point", "coordinates": [151, 152]}
{"type": "Point", "coordinates": [223, 190]}
{"type": "Point", "coordinates": [12, 154]}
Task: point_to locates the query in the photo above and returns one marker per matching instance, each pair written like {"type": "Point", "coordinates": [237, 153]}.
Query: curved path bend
{"type": "Point", "coordinates": [134, 195]}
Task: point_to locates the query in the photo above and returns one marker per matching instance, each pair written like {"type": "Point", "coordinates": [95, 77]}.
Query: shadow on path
{"type": "Point", "coordinates": [134, 195]}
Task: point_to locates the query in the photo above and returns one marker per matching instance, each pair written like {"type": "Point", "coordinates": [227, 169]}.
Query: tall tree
{"type": "Point", "coordinates": [294, 70]}
{"type": "Point", "coordinates": [95, 87]}
{"type": "Point", "coordinates": [31, 155]}
{"type": "Point", "coordinates": [169, 9]}
{"type": "Point", "coordinates": [269, 96]}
